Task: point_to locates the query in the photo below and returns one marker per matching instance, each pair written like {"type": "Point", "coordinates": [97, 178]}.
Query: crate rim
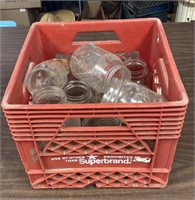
{"type": "Point", "coordinates": [96, 105]}
{"type": "Point", "coordinates": [183, 102]}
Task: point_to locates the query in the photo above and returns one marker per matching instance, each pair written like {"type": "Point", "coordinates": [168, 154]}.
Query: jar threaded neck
{"type": "Point", "coordinates": [78, 92]}
{"type": "Point", "coordinates": [49, 95]}
{"type": "Point", "coordinates": [116, 78]}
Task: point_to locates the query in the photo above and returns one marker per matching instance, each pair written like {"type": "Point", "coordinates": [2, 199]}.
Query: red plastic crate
{"type": "Point", "coordinates": [138, 154]}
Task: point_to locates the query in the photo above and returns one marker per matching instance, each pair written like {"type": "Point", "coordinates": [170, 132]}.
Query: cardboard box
{"type": "Point", "coordinates": [21, 16]}
{"type": "Point", "coordinates": [17, 4]}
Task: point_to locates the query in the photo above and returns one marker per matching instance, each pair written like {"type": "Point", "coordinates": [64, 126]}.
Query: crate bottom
{"type": "Point", "coordinates": [100, 180]}
{"type": "Point", "coordinates": [152, 186]}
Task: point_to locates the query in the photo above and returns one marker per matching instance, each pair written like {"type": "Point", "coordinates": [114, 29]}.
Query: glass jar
{"type": "Point", "coordinates": [78, 92]}
{"type": "Point", "coordinates": [101, 122]}
{"type": "Point", "coordinates": [97, 67]}
{"type": "Point", "coordinates": [47, 73]}
{"type": "Point", "coordinates": [135, 64]}
{"type": "Point", "coordinates": [49, 95]}
{"type": "Point", "coordinates": [54, 95]}
{"type": "Point", "coordinates": [131, 92]}
{"type": "Point", "coordinates": [138, 69]}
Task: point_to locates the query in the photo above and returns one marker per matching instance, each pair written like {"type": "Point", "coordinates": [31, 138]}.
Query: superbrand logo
{"type": "Point", "coordinates": [91, 160]}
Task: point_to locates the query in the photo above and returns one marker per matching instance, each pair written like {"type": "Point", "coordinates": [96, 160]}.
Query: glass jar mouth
{"type": "Point", "coordinates": [49, 95]}
{"type": "Point", "coordinates": [36, 74]}
{"type": "Point", "coordinates": [137, 67]}
{"type": "Point", "coordinates": [78, 91]}
{"type": "Point", "coordinates": [114, 83]}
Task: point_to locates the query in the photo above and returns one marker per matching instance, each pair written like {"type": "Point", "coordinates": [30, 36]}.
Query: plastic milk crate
{"type": "Point", "coordinates": [138, 154]}
{"type": "Point", "coordinates": [144, 8]}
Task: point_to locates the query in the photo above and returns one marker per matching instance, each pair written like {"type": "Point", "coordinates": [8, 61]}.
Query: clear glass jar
{"type": "Point", "coordinates": [135, 64]}
{"type": "Point", "coordinates": [101, 122]}
{"type": "Point", "coordinates": [97, 67]}
{"type": "Point", "coordinates": [47, 73]}
{"type": "Point", "coordinates": [49, 95]}
{"type": "Point", "coordinates": [54, 95]}
{"type": "Point", "coordinates": [78, 92]}
{"type": "Point", "coordinates": [138, 69]}
{"type": "Point", "coordinates": [131, 92]}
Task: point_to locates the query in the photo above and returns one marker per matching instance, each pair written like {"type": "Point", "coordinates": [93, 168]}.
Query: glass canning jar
{"type": "Point", "coordinates": [138, 69]}
{"type": "Point", "coordinates": [97, 67]}
{"type": "Point", "coordinates": [54, 95]}
{"type": "Point", "coordinates": [49, 95]}
{"type": "Point", "coordinates": [78, 92]}
{"type": "Point", "coordinates": [131, 92]}
{"type": "Point", "coordinates": [48, 73]}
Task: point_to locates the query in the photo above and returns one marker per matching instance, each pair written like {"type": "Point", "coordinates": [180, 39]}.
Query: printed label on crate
{"type": "Point", "coordinates": [100, 160]}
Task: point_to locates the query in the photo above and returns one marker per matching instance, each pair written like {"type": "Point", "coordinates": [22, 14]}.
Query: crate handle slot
{"type": "Point", "coordinates": [96, 36]}
{"type": "Point", "coordinates": [163, 76]}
